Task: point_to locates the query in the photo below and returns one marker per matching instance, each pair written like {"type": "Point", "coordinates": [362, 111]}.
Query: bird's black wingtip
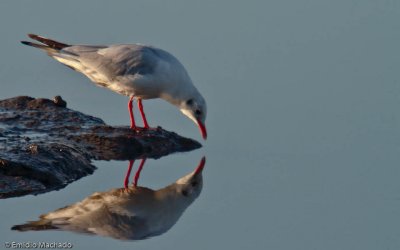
{"type": "Point", "coordinates": [17, 227]}
{"type": "Point", "coordinates": [26, 43]}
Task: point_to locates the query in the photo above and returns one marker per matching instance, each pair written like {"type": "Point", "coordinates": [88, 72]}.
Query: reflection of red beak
{"type": "Point", "coordinates": [203, 129]}
{"type": "Point", "coordinates": [200, 167]}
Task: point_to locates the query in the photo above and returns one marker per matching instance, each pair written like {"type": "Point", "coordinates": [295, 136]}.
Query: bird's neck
{"type": "Point", "coordinates": [175, 201]}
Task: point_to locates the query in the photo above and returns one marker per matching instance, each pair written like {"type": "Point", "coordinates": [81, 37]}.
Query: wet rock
{"type": "Point", "coordinates": [45, 146]}
{"type": "Point", "coordinates": [59, 102]}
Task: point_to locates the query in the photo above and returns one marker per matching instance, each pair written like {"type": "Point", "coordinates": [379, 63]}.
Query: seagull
{"type": "Point", "coordinates": [132, 213]}
{"type": "Point", "coordinates": [138, 71]}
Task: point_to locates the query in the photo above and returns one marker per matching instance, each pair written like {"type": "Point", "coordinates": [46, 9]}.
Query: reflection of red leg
{"type": "Point", "coordinates": [137, 175]}
{"type": "Point", "coordinates": [128, 173]}
{"type": "Point", "coordinates": [130, 109]}
{"type": "Point", "coordinates": [140, 105]}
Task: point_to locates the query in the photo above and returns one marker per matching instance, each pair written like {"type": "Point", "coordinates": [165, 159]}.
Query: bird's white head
{"type": "Point", "coordinates": [190, 185]}
{"type": "Point", "coordinates": [195, 107]}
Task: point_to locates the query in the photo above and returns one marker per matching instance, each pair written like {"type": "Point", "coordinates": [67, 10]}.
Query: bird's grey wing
{"type": "Point", "coordinates": [123, 215]}
{"type": "Point", "coordinates": [107, 223]}
{"type": "Point", "coordinates": [62, 217]}
{"type": "Point", "coordinates": [115, 60]}
{"type": "Point", "coordinates": [135, 201]}
{"type": "Point", "coordinates": [86, 206]}
{"type": "Point", "coordinates": [118, 200]}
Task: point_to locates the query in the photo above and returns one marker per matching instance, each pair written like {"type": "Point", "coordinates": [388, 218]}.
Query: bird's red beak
{"type": "Point", "coordinates": [200, 167]}
{"type": "Point", "coordinates": [203, 129]}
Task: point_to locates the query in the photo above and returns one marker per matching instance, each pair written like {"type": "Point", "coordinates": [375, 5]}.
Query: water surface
{"type": "Point", "coordinates": [303, 118]}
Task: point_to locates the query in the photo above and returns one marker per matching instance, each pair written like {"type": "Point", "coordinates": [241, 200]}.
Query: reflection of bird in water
{"type": "Point", "coordinates": [135, 70]}
{"type": "Point", "coordinates": [125, 213]}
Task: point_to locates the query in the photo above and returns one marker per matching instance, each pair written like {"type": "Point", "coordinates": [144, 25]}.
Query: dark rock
{"type": "Point", "coordinates": [45, 146]}
{"type": "Point", "coordinates": [59, 102]}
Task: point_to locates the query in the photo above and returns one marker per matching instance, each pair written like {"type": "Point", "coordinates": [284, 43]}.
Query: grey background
{"type": "Point", "coordinates": [303, 118]}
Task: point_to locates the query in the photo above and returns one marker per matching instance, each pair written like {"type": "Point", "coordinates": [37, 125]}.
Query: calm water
{"type": "Point", "coordinates": [303, 117]}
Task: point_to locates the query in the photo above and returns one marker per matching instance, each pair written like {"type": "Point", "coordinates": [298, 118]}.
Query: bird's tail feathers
{"type": "Point", "coordinates": [39, 225]}
{"type": "Point", "coordinates": [48, 45]}
{"type": "Point", "coordinates": [39, 46]}
{"type": "Point", "coordinates": [49, 42]}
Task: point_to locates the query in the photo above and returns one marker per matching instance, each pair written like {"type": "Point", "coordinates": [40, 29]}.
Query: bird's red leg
{"type": "Point", "coordinates": [128, 173]}
{"type": "Point", "coordinates": [130, 109]}
{"type": "Point", "coordinates": [137, 175]}
{"type": "Point", "coordinates": [140, 105]}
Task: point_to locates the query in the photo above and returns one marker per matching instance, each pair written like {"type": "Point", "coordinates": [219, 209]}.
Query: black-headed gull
{"type": "Point", "coordinates": [138, 71]}
{"type": "Point", "coordinates": [125, 213]}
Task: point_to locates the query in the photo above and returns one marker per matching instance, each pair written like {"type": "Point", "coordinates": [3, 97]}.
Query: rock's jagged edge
{"type": "Point", "coordinates": [45, 146]}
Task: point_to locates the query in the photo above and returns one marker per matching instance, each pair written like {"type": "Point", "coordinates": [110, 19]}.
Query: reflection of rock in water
{"type": "Point", "coordinates": [133, 213]}
{"type": "Point", "coordinates": [44, 145]}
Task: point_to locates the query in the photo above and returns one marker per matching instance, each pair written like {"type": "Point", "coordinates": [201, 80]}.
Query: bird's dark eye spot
{"type": "Point", "coordinates": [198, 112]}
{"type": "Point", "coordinates": [194, 183]}
{"type": "Point", "coordinates": [189, 102]}
{"type": "Point", "coordinates": [185, 193]}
